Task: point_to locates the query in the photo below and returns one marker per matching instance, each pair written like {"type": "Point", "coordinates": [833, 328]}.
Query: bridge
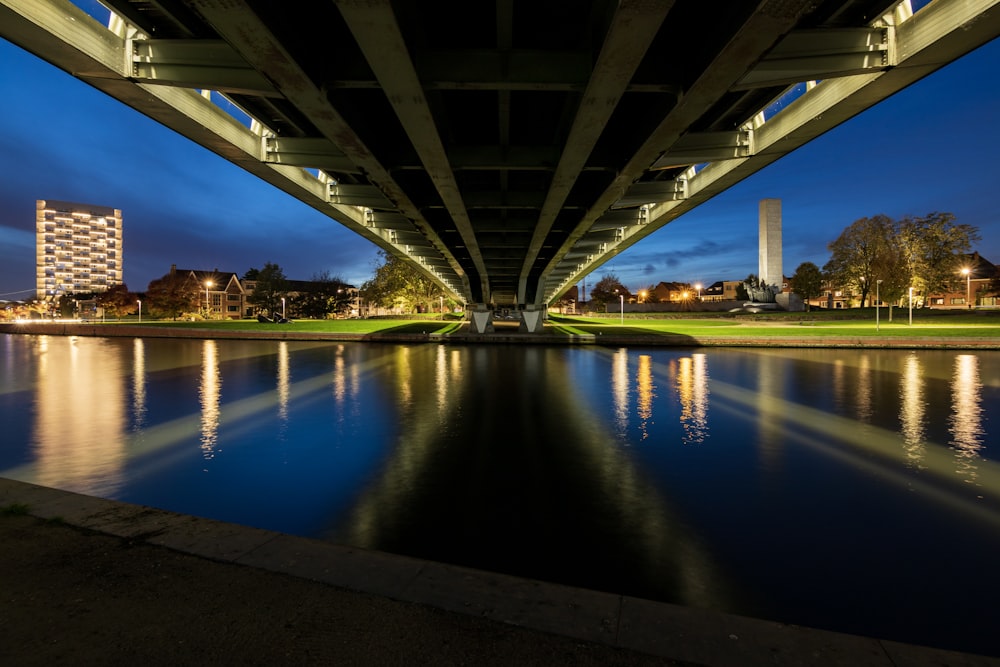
{"type": "Point", "coordinates": [505, 149]}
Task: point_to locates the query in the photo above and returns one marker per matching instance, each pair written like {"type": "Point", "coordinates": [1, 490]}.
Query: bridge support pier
{"type": "Point", "coordinates": [532, 318]}
{"type": "Point", "coordinates": [481, 319]}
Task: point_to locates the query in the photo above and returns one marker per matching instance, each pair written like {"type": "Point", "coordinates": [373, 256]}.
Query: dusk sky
{"type": "Point", "coordinates": [928, 148]}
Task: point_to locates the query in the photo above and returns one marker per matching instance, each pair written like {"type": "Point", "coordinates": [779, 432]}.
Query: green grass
{"type": "Point", "coordinates": [798, 325]}
{"type": "Point", "coordinates": [14, 509]}
{"type": "Point", "coordinates": [317, 326]}
{"type": "Point", "coordinates": [849, 323]}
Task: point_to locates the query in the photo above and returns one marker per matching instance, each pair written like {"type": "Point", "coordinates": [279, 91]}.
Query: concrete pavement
{"type": "Point", "coordinates": [85, 580]}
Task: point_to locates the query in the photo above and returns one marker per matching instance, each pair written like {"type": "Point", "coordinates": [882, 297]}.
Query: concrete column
{"type": "Point", "coordinates": [769, 265]}
{"type": "Point", "coordinates": [481, 318]}
{"type": "Point", "coordinates": [532, 320]}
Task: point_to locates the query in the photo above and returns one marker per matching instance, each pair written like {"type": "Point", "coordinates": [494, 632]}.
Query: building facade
{"type": "Point", "coordinates": [78, 248]}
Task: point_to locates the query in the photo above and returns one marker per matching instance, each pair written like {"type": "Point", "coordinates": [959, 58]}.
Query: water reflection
{"type": "Point", "coordinates": [79, 440]}
{"type": "Point", "coordinates": [965, 423]}
{"type": "Point", "coordinates": [210, 394]}
{"type": "Point", "coordinates": [138, 385]}
{"type": "Point", "coordinates": [692, 390]}
{"type": "Point", "coordinates": [912, 409]}
{"type": "Point", "coordinates": [518, 483]}
{"type": "Point", "coordinates": [863, 390]}
{"type": "Point", "coordinates": [645, 392]}
{"type": "Point", "coordinates": [284, 381]}
{"type": "Point", "coordinates": [620, 391]}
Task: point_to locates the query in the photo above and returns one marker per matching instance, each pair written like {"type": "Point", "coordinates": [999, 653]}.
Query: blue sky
{"type": "Point", "coordinates": [928, 148]}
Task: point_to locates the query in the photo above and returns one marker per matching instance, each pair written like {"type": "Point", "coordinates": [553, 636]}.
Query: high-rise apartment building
{"type": "Point", "coordinates": [79, 248]}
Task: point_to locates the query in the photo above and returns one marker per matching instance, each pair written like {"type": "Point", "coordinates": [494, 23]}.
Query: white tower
{"type": "Point", "coordinates": [769, 264]}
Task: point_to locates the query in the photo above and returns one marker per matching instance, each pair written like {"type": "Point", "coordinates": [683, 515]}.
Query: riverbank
{"type": "Point", "coordinates": [94, 581]}
{"type": "Point", "coordinates": [572, 332]}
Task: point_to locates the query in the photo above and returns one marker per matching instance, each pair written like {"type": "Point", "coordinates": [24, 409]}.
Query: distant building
{"type": "Point", "coordinates": [972, 289]}
{"type": "Point", "coordinates": [224, 295]}
{"type": "Point", "coordinates": [78, 248]}
{"type": "Point", "coordinates": [723, 290]}
{"type": "Point", "coordinates": [671, 292]}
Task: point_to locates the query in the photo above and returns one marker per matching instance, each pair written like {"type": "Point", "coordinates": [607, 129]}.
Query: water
{"type": "Point", "coordinates": [846, 489]}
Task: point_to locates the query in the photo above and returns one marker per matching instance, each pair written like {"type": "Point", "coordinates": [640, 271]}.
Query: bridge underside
{"type": "Point", "coordinates": [505, 148]}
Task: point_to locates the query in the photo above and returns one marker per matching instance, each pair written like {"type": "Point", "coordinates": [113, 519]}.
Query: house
{"type": "Point", "coordinates": [973, 288]}
{"type": "Point", "coordinates": [671, 292]}
{"type": "Point", "coordinates": [225, 296]}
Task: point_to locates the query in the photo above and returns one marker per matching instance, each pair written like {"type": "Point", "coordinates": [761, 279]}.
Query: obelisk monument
{"type": "Point", "coordinates": [769, 259]}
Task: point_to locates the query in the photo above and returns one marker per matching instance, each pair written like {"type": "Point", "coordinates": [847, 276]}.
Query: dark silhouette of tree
{"type": "Point", "coordinates": [270, 288]}
{"type": "Point", "coordinates": [608, 289]}
{"type": "Point", "coordinates": [117, 301]}
{"type": "Point", "coordinates": [325, 295]}
{"type": "Point", "coordinates": [172, 295]}
{"type": "Point", "coordinates": [807, 282]}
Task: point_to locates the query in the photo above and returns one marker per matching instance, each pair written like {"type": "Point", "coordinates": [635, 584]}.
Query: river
{"type": "Point", "coordinates": [853, 490]}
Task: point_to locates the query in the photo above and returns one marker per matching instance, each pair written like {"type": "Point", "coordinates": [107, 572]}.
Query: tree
{"type": "Point", "coordinates": [608, 289]}
{"type": "Point", "coordinates": [741, 289]}
{"type": "Point", "coordinates": [117, 301]}
{"type": "Point", "coordinates": [172, 295]}
{"type": "Point", "coordinates": [326, 294]}
{"type": "Point", "coordinates": [859, 254]}
{"type": "Point", "coordinates": [271, 287]}
{"type": "Point", "coordinates": [807, 282]}
{"type": "Point", "coordinates": [397, 285]}
{"type": "Point", "coordinates": [932, 249]}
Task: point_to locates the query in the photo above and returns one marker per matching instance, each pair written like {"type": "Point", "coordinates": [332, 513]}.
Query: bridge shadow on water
{"type": "Point", "coordinates": [511, 473]}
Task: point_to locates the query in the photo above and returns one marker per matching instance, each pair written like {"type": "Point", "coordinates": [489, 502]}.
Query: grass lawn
{"type": "Point", "coordinates": [850, 324]}
{"type": "Point", "coordinates": [317, 326]}
{"type": "Point", "coordinates": [797, 325]}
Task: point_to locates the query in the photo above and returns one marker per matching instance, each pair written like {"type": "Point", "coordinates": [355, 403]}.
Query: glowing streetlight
{"type": "Point", "coordinates": [968, 283]}
{"type": "Point", "coordinates": [621, 298]}
{"type": "Point", "coordinates": [140, 310]}
{"type": "Point", "coordinates": [208, 305]}
{"type": "Point", "coordinates": [911, 306]}
{"type": "Point", "coordinates": [697, 286]}
{"type": "Point", "coordinates": [441, 305]}
{"type": "Point", "coordinates": [282, 307]}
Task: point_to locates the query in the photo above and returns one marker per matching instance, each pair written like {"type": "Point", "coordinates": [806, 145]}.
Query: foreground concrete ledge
{"type": "Point", "coordinates": [699, 636]}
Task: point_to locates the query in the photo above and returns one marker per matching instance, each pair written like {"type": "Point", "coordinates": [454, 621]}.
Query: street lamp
{"type": "Point", "coordinates": [208, 305]}
{"type": "Point", "coordinates": [911, 306]}
{"type": "Point", "coordinates": [621, 298]}
{"type": "Point", "coordinates": [441, 305]}
{"type": "Point", "coordinates": [282, 307]}
{"type": "Point", "coordinates": [968, 282]}
{"type": "Point", "coordinates": [140, 310]}
{"type": "Point", "coordinates": [878, 303]}
{"type": "Point", "coordinates": [697, 286]}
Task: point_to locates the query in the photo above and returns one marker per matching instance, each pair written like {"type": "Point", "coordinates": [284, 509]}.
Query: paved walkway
{"type": "Point", "coordinates": [86, 581]}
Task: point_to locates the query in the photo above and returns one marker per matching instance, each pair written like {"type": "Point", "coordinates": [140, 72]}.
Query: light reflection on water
{"type": "Point", "coordinates": [787, 484]}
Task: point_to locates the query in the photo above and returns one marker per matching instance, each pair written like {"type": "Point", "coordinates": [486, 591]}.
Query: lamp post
{"type": "Point", "coordinates": [441, 305]}
{"type": "Point", "coordinates": [140, 310]}
{"type": "Point", "coordinates": [878, 303]}
{"type": "Point", "coordinates": [911, 306]}
{"type": "Point", "coordinates": [208, 304]}
{"type": "Point", "coordinates": [968, 283]}
{"type": "Point", "coordinates": [282, 307]}
{"type": "Point", "coordinates": [621, 298]}
{"type": "Point", "coordinates": [697, 286]}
